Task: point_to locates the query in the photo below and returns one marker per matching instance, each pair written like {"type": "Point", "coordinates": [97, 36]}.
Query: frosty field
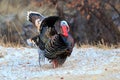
{"type": "Point", "coordinates": [84, 64]}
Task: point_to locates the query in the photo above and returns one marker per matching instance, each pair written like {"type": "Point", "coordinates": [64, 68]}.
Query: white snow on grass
{"type": "Point", "coordinates": [22, 63]}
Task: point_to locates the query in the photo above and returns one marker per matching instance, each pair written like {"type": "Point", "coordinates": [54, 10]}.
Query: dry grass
{"type": "Point", "coordinates": [12, 18]}
{"type": "Point", "coordinates": [9, 44]}
{"type": "Point", "coordinates": [101, 45]}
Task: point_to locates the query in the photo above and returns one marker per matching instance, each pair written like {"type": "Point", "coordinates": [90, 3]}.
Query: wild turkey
{"type": "Point", "coordinates": [57, 45]}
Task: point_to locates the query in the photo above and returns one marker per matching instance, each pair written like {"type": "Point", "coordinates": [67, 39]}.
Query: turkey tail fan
{"type": "Point", "coordinates": [32, 16]}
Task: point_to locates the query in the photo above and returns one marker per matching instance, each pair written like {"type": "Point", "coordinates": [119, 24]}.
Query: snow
{"type": "Point", "coordinates": [22, 63]}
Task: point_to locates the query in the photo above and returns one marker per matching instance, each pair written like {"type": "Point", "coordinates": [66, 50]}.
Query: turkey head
{"type": "Point", "coordinates": [64, 28]}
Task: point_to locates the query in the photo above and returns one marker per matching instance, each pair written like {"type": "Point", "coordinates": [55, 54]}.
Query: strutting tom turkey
{"type": "Point", "coordinates": [54, 40]}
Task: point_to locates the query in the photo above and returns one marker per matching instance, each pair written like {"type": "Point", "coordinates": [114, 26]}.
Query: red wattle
{"type": "Point", "coordinates": [65, 32]}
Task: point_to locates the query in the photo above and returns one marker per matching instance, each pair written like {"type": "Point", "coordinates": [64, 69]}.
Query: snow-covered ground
{"type": "Point", "coordinates": [84, 64]}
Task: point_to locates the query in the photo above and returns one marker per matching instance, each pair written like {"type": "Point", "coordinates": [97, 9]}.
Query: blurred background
{"type": "Point", "coordinates": [91, 21]}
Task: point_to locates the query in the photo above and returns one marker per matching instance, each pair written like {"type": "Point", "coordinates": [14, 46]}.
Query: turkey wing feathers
{"type": "Point", "coordinates": [55, 46]}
